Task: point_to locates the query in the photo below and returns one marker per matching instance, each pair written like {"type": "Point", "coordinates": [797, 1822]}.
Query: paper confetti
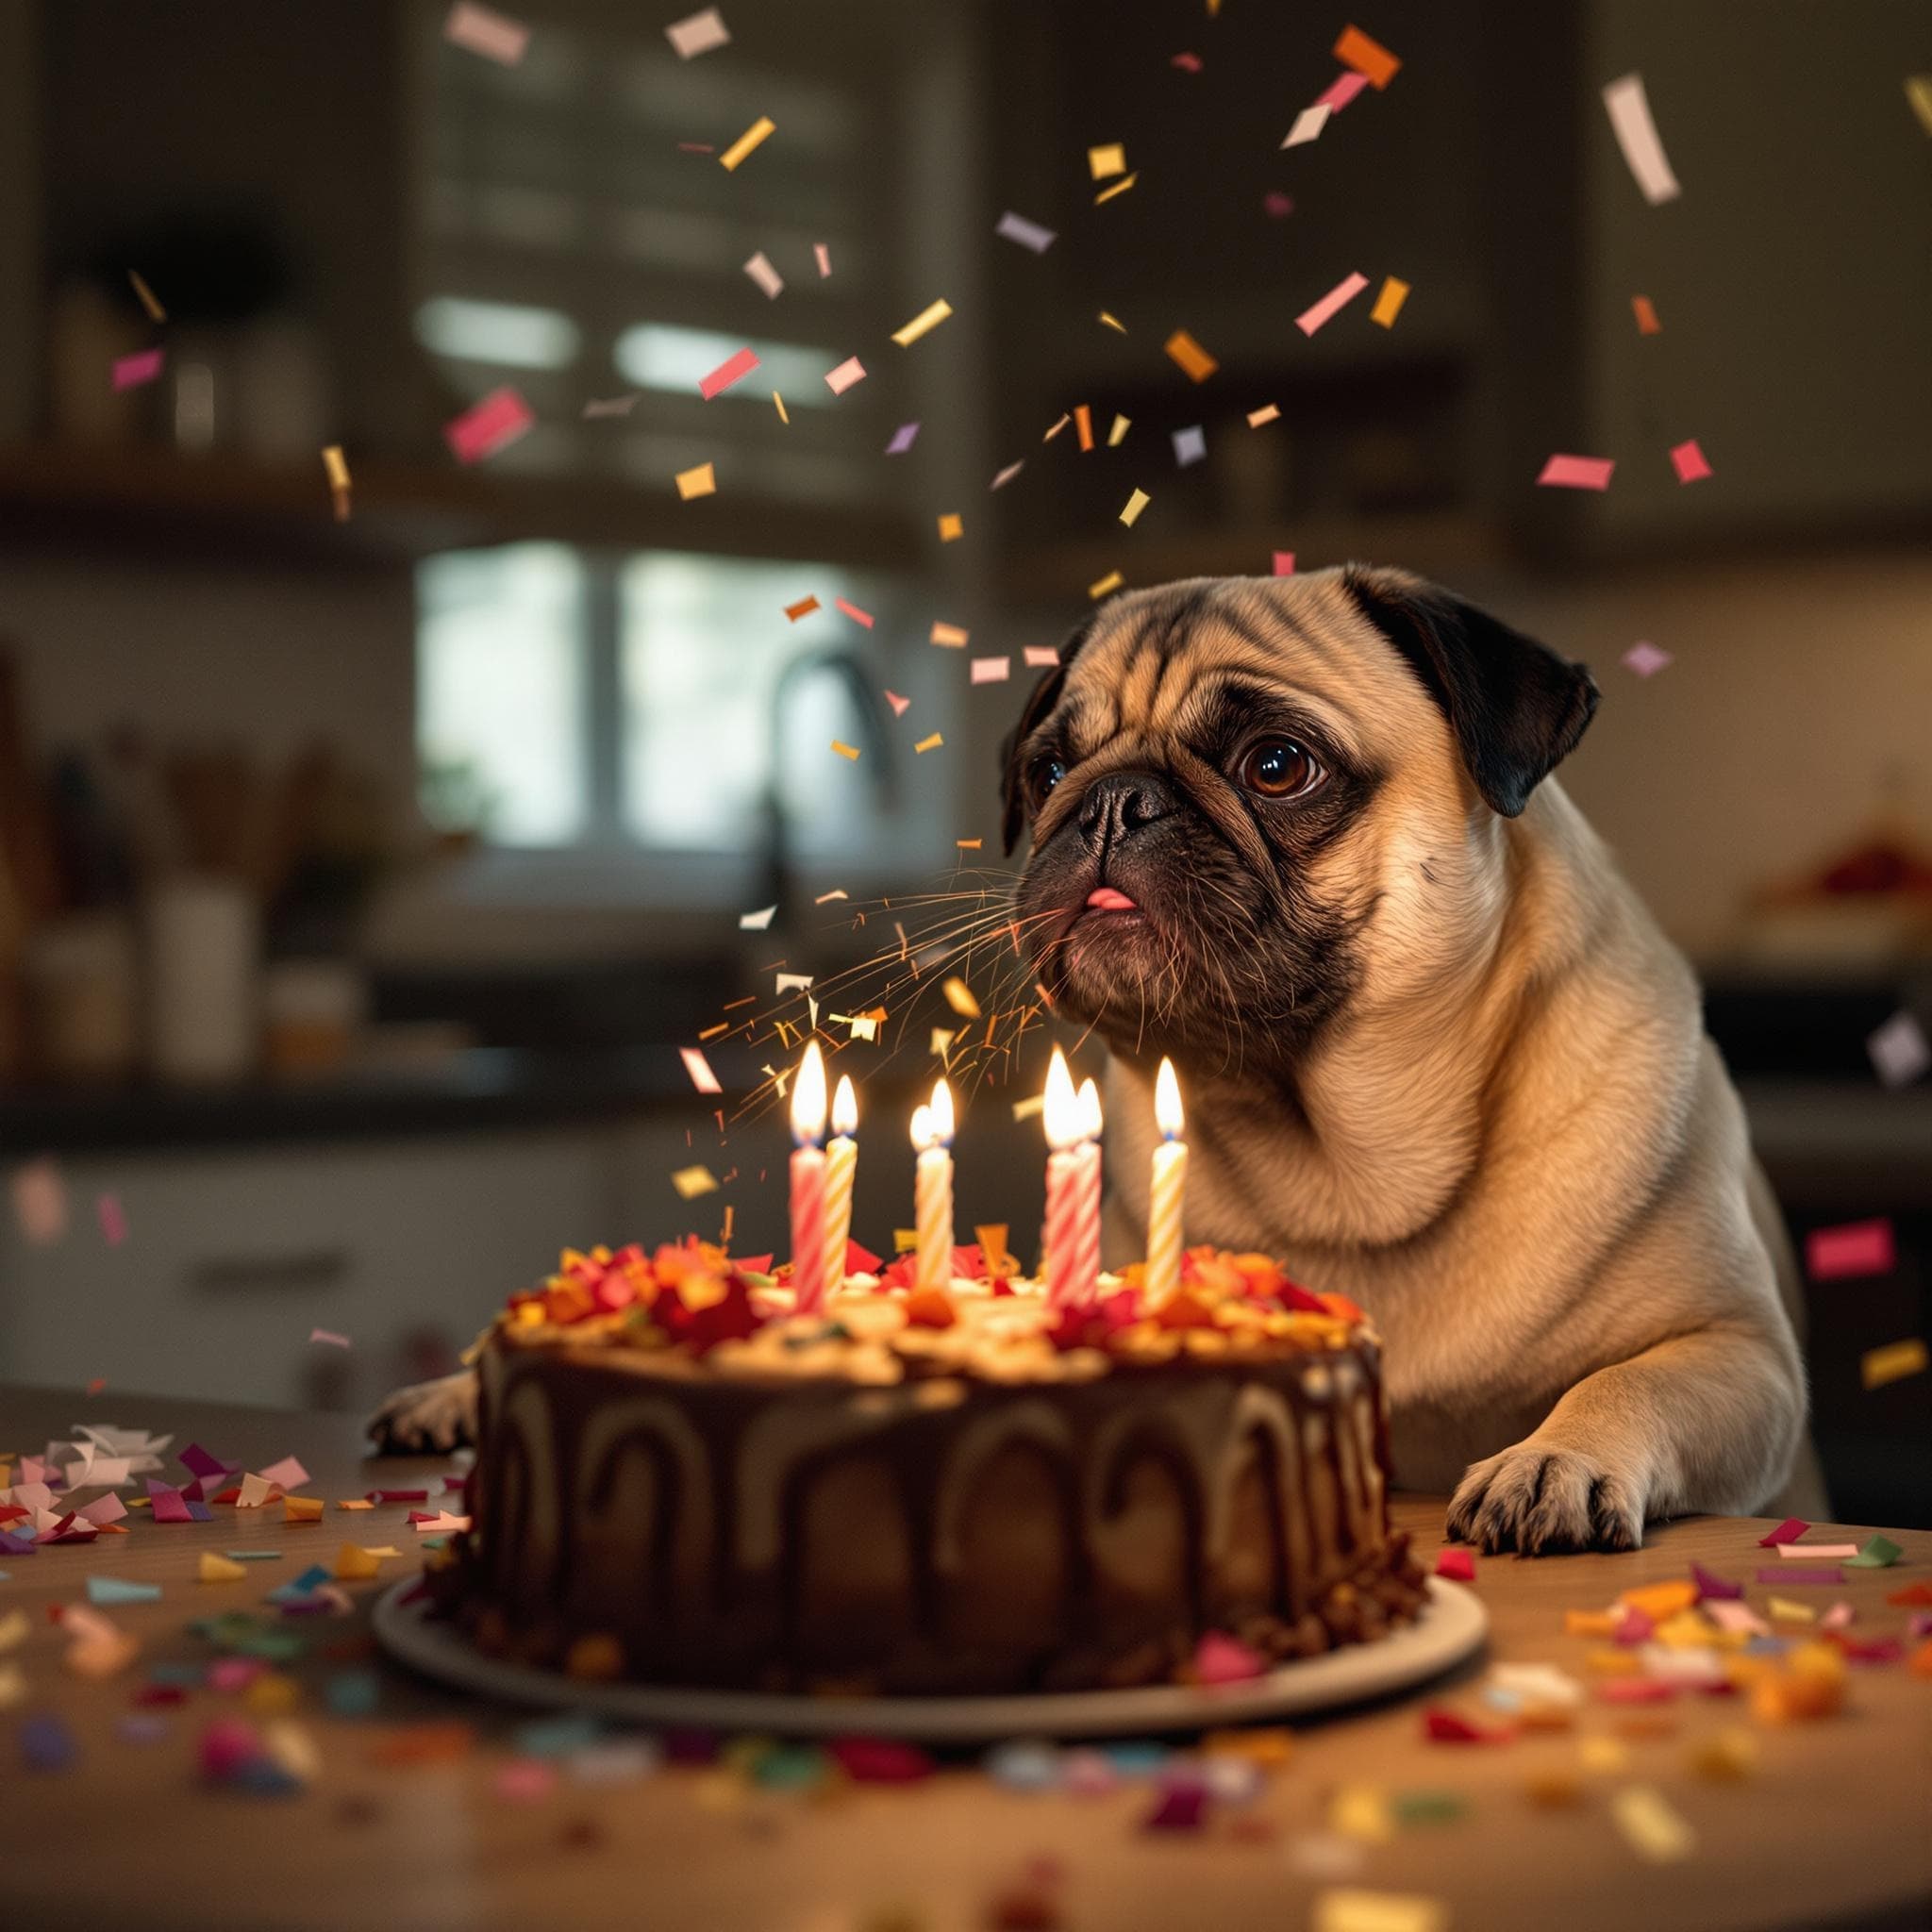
{"type": "Point", "coordinates": [693, 1181]}
{"type": "Point", "coordinates": [1577, 472]}
{"type": "Point", "coordinates": [1007, 475]}
{"type": "Point", "coordinates": [1346, 1909]}
{"type": "Point", "coordinates": [1283, 563]}
{"type": "Point", "coordinates": [734, 369]}
{"type": "Point", "coordinates": [1109, 320]}
{"type": "Point", "coordinates": [1369, 58]}
{"type": "Point", "coordinates": [1102, 586]}
{"type": "Point", "coordinates": [217, 1569]}
{"type": "Point", "coordinates": [1689, 462]}
{"type": "Point", "coordinates": [1636, 132]}
{"type": "Point", "coordinates": [1083, 426]}
{"type": "Point", "coordinates": [1647, 323]}
{"type": "Point", "coordinates": [899, 705]}
{"type": "Point", "coordinates": [760, 270]}
{"type": "Point", "coordinates": [1042, 657]}
{"type": "Point", "coordinates": [1189, 445]}
{"type": "Point", "coordinates": [1789, 1531]}
{"type": "Point", "coordinates": [1388, 303]}
{"type": "Point", "coordinates": [131, 372]}
{"type": "Point", "coordinates": [1268, 412]}
{"type": "Point", "coordinates": [755, 135]}
{"type": "Point", "coordinates": [991, 670]}
{"type": "Point", "coordinates": [1278, 206]}
{"type": "Point", "coordinates": [112, 1221]}
{"type": "Point", "coordinates": [1655, 1832]}
{"type": "Point", "coordinates": [950, 527]}
{"type": "Point", "coordinates": [1341, 91]}
{"type": "Point", "coordinates": [1121, 425]}
{"type": "Point", "coordinates": [951, 636]}
{"type": "Point", "coordinates": [853, 613]}
{"type": "Point", "coordinates": [804, 608]}
{"type": "Point", "coordinates": [844, 750]}
{"type": "Point", "coordinates": [104, 1591]}
{"type": "Point", "coordinates": [1192, 360]}
{"type": "Point", "coordinates": [1899, 1050]}
{"type": "Point", "coordinates": [1012, 227]}
{"type": "Point", "coordinates": [1457, 1565]}
{"type": "Point", "coordinates": [146, 297]}
{"type": "Point", "coordinates": [902, 439]}
{"type": "Point", "coordinates": [923, 323]}
{"type": "Point", "coordinates": [1879, 1553]}
{"type": "Point", "coordinates": [1893, 1362]}
{"type": "Point", "coordinates": [480, 31]}
{"type": "Point", "coordinates": [40, 1201]}
{"type": "Point", "coordinates": [1857, 1248]}
{"type": "Point", "coordinates": [701, 481]}
{"type": "Point", "coordinates": [1103, 161]}
{"type": "Point", "coordinates": [779, 404]}
{"type": "Point", "coordinates": [931, 743]}
{"type": "Point", "coordinates": [490, 425]}
{"type": "Point", "coordinates": [328, 1338]}
{"type": "Point", "coordinates": [1134, 505]}
{"type": "Point", "coordinates": [1919, 93]}
{"type": "Point", "coordinates": [822, 254]}
{"type": "Point", "coordinates": [1308, 124]}
{"type": "Point", "coordinates": [699, 1067]}
{"type": "Point", "coordinates": [335, 467]}
{"type": "Point", "coordinates": [596, 409]}
{"type": "Point", "coordinates": [842, 378]}
{"type": "Point", "coordinates": [1338, 298]}
{"type": "Point", "coordinates": [699, 33]}
{"type": "Point", "coordinates": [1645, 660]}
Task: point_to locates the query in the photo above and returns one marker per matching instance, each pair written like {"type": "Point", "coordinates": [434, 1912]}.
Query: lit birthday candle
{"type": "Point", "coordinates": [1086, 1182]}
{"type": "Point", "coordinates": [809, 1183]}
{"type": "Point", "coordinates": [1170, 1185]}
{"type": "Point", "coordinates": [842, 1167]}
{"type": "Point", "coordinates": [932, 1134]}
{"type": "Point", "coordinates": [1073, 1173]}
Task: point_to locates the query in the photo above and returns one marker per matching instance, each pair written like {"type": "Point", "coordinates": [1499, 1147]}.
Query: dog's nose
{"type": "Point", "coordinates": [1121, 804]}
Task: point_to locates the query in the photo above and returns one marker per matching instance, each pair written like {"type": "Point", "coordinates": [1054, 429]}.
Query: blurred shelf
{"type": "Point", "coordinates": [227, 509]}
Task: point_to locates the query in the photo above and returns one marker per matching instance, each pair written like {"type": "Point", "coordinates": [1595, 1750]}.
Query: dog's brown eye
{"type": "Point", "coordinates": [1043, 776]}
{"type": "Point", "coordinates": [1279, 768]}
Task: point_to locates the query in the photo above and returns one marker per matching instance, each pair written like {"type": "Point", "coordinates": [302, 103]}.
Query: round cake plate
{"type": "Point", "coordinates": [1450, 1628]}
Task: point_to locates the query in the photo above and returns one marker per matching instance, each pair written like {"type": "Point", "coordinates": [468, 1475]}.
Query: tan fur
{"type": "Point", "coordinates": [1515, 1148]}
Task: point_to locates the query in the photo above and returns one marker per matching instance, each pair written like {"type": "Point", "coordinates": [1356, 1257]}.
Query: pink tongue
{"type": "Point", "coordinates": [1105, 899]}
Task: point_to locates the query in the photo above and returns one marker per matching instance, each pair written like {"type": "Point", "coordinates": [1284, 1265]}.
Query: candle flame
{"type": "Point", "coordinates": [844, 1108]}
{"type": "Point", "coordinates": [922, 1135]}
{"type": "Point", "coordinates": [1167, 1102]}
{"type": "Point", "coordinates": [1062, 1114]}
{"type": "Point", "coordinates": [809, 1098]}
{"type": "Point", "coordinates": [942, 1114]}
{"type": "Point", "coordinates": [1089, 1111]}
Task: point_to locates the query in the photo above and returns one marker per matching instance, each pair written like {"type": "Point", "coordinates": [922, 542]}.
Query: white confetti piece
{"type": "Point", "coordinates": [1189, 445]}
{"type": "Point", "coordinates": [1308, 124]}
{"type": "Point", "coordinates": [991, 669]}
{"type": "Point", "coordinates": [757, 922]}
{"type": "Point", "coordinates": [699, 1067]}
{"type": "Point", "coordinates": [1636, 135]}
{"type": "Point", "coordinates": [1899, 1050]}
{"type": "Point", "coordinates": [698, 34]}
{"type": "Point", "coordinates": [491, 35]}
{"type": "Point", "coordinates": [760, 270]}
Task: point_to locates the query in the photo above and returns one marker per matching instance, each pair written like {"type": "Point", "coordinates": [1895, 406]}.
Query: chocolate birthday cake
{"type": "Point", "coordinates": [679, 1480]}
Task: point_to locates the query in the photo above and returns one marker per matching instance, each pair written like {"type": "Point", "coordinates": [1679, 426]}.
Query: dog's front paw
{"type": "Point", "coordinates": [427, 1416]}
{"type": "Point", "coordinates": [1539, 1500]}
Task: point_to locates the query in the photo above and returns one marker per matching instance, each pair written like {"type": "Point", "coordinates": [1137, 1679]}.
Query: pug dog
{"type": "Point", "coordinates": [1299, 835]}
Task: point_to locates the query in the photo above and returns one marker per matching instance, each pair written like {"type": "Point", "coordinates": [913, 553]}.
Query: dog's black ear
{"type": "Point", "coordinates": [1046, 694]}
{"type": "Point", "coordinates": [1517, 709]}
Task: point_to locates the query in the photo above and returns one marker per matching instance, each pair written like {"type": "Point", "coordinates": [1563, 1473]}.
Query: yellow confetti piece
{"type": "Point", "coordinates": [959, 997]}
{"type": "Point", "coordinates": [354, 1564]}
{"type": "Point", "coordinates": [1119, 187]}
{"type": "Point", "coordinates": [927, 319]}
{"type": "Point", "coordinates": [354, 1503]}
{"type": "Point", "coordinates": [214, 1569]}
{"type": "Point", "coordinates": [844, 750]}
{"type": "Point", "coordinates": [701, 481]}
{"type": "Point", "coordinates": [693, 1181]}
{"type": "Point", "coordinates": [1893, 1362]}
{"type": "Point", "coordinates": [1029, 1108]}
{"type": "Point", "coordinates": [1784, 1610]}
{"type": "Point", "coordinates": [931, 744]}
{"type": "Point", "coordinates": [335, 468]}
{"type": "Point", "coordinates": [781, 402]}
{"type": "Point", "coordinates": [941, 1041]}
{"type": "Point", "coordinates": [952, 637]}
{"type": "Point", "coordinates": [904, 1240]}
{"type": "Point", "coordinates": [1388, 303]}
{"type": "Point", "coordinates": [1111, 581]}
{"type": "Point", "coordinates": [1268, 412]}
{"type": "Point", "coordinates": [1109, 160]}
{"type": "Point", "coordinates": [1727, 1757]}
{"type": "Point", "coordinates": [156, 313]}
{"type": "Point", "coordinates": [1134, 505]}
{"type": "Point", "coordinates": [1057, 428]}
{"type": "Point", "coordinates": [1919, 93]}
{"type": "Point", "coordinates": [1361, 1811]}
{"type": "Point", "coordinates": [1121, 425]}
{"type": "Point", "coordinates": [952, 527]}
{"type": "Point", "coordinates": [1194, 360]}
{"type": "Point", "coordinates": [1113, 322]}
{"type": "Point", "coordinates": [1605, 1757]}
{"type": "Point", "coordinates": [755, 135]}
{"type": "Point", "coordinates": [1346, 1909]}
{"type": "Point", "coordinates": [1657, 1833]}
{"type": "Point", "coordinates": [301, 1508]}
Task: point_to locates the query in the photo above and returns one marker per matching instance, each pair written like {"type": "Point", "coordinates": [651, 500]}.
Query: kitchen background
{"type": "Point", "coordinates": [362, 875]}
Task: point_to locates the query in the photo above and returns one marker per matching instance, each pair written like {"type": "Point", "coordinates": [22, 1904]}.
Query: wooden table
{"type": "Point", "coordinates": [1833, 1829]}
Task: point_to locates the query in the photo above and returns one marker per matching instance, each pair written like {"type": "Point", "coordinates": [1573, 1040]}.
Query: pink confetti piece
{"type": "Point", "coordinates": [1713, 1589]}
{"type": "Point", "coordinates": [1223, 1660]}
{"type": "Point", "coordinates": [287, 1475]}
{"type": "Point", "coordinates": [1804, 1578]}
{"type": "Point", "coordinates": [104, 1509]}
{"type": "Point", "coordinates": [1645, 660]}
{"type": "Point", "coordinates": [1341, 91]}
{"type": "Point", "coordinates": [1789, 1531]}
{"type": "Point", "coordinates": [699, 1067]}
{"type": "Point", "coordinates": [1278, 205]}
{"type": "Point", "coordinates": [1628, 107]}
{"type": "Point", "coordinates": [1458, 1566]}
{"type": "Point", "coordinates": [760, 270]}
{"type": "Point", "coordinates": [1042, 657]}
{"type": "Point", "coordinates": [130, 371]}
{"type": "Point", "coordinates": [1899, 1050]}
{"type": "Point", "coordinates": [328, 1338]}
{"type": "Point", "coordinates": [526, 1780]}
{"type": "Point", "coordinates": [40, 1201]}
{"type": "Point", "coordinates": [1577, 472]}
{"type": "Point", "coordinates": [902, 439]}
{"type": "Point", "coordinates": [1284, 563]}
{"type": "Point", "coordinates": [490, 425]}
{"type": "Point", "coordinates": [1188, 63]}
{"type": "Point", "coordinates": [842, 378]}
{"type": "Point", "coordinates": [699, 33]}
{"type": "Point", "coordinates": [1728, 1614]}
{"type": "Point", "coordinates": [897, 703]}
{"type": "Point", "coordinates": [822, 254]}
{"type": "Point", "coordinates": [1008, 475]}
{"type": "Point", "coordinates": [491, 35]}
{"type": "Point", "coordinates": [1331, 305]}
{"type": "Point", "coordinates": [1688, 460]}
{"type": "Point", "coordinates": [113, 1222]}
{"type": "Point", "coordinates": [853, 613]}
{"type": "Point", "coordinates": [733, 368]}
{"type": "Point", "coordinates": [1843, 1253]}
{"type": "Point", "coordinates": [991, 670]}
{"type": "Point", "coordinates": [1824, 1552]}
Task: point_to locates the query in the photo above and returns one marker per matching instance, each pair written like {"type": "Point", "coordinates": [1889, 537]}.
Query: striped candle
{"type": "Point", "coordinates": [1087, 1221]}
{"type": "Point", "coordinates": [842, 1167]}
{"type": "Point", "coordinates": [932, 1134]}
{"type": "Point", "coordinates": [1169, 1184]}
{"type": "Point", "coordinates": [1062, 1118]}
{"type": "Point", "coordinates": [809, 1184]}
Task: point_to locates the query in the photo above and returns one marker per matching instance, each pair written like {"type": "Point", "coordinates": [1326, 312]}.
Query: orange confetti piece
{"type": "Point", "coordinates": [1388, 303]}
{"type": "Point", "coordinates": [1194, 361]}
{"type": "Point", "coordinates": [702, 481]}
{"type": "Point", "coordinates": [1108, 160]}
{"type": "Point", "coordinates": [844, 750]}
{"type": "Point", "coordinates": [1369, 58]}
{"type": "Point", "coordinates": [951, 636]}
{"type": "Point", "coordinates": [804, 608]}
{"type": "Point", "coordinates": [1083, 426]}
{"type": "Point", "coordinates": [969, 844]}
{"type": "Point", "coordinates": [952, 527]}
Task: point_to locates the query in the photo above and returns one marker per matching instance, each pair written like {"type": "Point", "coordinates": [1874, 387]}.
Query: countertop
{"type": "Point", "coordinates": [1829, 1831]}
